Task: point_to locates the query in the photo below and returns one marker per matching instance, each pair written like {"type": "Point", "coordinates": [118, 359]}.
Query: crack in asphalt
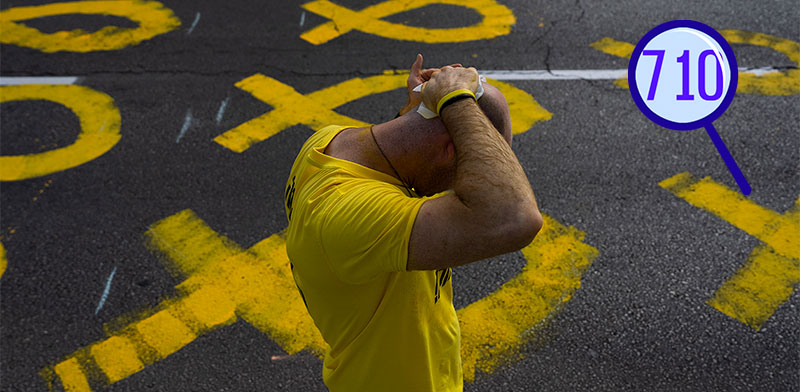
{"type": "Point", "coordinates": [583, 11]}
{"type": "Point", "coordinates": [547, 59]}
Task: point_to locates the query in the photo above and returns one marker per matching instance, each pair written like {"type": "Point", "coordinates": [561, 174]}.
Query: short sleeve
{"type": "Point", "coordinates": [366, 229]}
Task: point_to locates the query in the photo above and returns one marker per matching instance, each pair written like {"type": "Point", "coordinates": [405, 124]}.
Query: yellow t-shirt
{"type": "Point", "coordinates": [388, 329]}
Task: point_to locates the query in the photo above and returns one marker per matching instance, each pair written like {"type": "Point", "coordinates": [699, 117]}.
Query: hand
{"type": "Point", "coordinates": [415, 78]}
{"type": "Point", "coordinates": [446, 80]}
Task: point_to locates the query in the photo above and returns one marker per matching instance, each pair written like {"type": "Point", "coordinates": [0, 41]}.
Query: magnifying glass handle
{"type": "Point", "coordinates": [726, 156]}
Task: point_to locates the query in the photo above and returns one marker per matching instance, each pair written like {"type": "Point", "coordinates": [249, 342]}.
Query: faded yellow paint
{"type": "Point", "coordinates": [772, 271]}
{"type": "Point", "coordinates": [224, 282]}
{"type": "Point", "coordinates": [622, 83]}
{"type": "Point", "coordinates": [189, 252]}
{"type": "Point", "coordinates": [211, 305]}
{"type": "Point", "coordinates": [153, 19]}
{"type": "Point", "coordinates": [494, 328]}
{"type": "Point", "coordinates": [759, 288]}
{"type": "Point", "coordinates": [71, 375]}
{"type": "Point", "coordinates": [117, 357]}
{"type": "Point", "coordinates": [523, 108]}
{"type": "Point", "coordinates": [239, 277]}
{"type": "Point", "coordinates": [165, 333]}
{"type": "Point", "coordinates": [773, 83]}
{"type": "Point", "coordinates": [614, 47]}
{"type": "Point", "coordinates": [3, 260]}
{"type": "Point", "coordinates": [770, 227]}
{"type": "Point", "coordinates": [315, 109]}
{"type": "Point", "coordinates": [99, 120]}
{"type": "Point", "coordinates": [290, 108]}
{"type": "Point", "coordinates": [496, 21]}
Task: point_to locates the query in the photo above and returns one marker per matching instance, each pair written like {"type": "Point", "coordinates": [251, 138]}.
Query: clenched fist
{"type": "Point", "coordinates": [447, 80]}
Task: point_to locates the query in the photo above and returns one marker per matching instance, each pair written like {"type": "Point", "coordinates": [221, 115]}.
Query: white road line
{"type": "Point", "coordinates": [496, 74]}
{"type": "Point", "coordinates": [17, 80]}
{"type": "Point", "coordinates": [186, 123]}
{"type": "Point", "coordinates": [556, 74]}
{"type": "Point", "coordinates": [584, 74]}
{"type": "Point", "coordinates": [105, 291]}
{"type": "Point", "coordinates": [759, 71]}
{"type": "Point", "coordinates": [221, 110]}
{"type": "Point", "coordinates": [302, 19]}
{"type": "Point", "coordinates": [194, 24]}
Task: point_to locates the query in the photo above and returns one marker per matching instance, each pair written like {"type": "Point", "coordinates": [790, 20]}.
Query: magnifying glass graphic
{"type": "Point", "coordinates": [683, 76]}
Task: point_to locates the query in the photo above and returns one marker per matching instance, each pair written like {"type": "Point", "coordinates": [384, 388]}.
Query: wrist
{"type": "Point", "coordinates": [453, 97]}
{"type": "Point", "coordinates": [457, 112]}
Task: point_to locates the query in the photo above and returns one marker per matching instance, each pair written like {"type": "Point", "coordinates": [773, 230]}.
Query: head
{"type": "Point", "coordinates": [428, 148]}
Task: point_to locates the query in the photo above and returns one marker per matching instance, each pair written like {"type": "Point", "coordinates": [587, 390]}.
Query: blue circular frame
{"type": "Point", "coordinates": [633, 87]}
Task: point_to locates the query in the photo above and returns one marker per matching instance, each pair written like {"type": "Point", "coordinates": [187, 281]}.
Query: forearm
{"type": "Point", "coordinates": [405, 109]}
{"type": "Point", "coordinates": [489, 179]}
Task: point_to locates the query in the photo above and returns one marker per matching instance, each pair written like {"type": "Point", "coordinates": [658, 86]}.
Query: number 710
{"type": "Point", "coordinates": [684, 60]}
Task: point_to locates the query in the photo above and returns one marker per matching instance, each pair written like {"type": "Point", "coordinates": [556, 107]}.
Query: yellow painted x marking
{"type": "Point", "coordinates": [224, 283]}
{"type": "Point", "coordinates": [497, 20]}
{"type": "Point", "coordinates": [291, 108]}
{"type": "Point", "coordinates": [772, 271]}
{"type": "Point", "coordinates": [316, 109]}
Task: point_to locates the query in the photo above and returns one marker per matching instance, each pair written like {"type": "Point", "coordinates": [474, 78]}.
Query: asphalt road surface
{"type": "Point", "coordinates": [128, 224]}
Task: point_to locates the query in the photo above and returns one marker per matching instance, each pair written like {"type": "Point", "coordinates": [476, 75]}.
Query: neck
{"type": "Point", "coordinates": [390, 152]}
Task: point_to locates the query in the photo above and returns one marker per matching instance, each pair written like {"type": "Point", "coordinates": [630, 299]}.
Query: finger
{"type": "Point", "coordinates": [426, 73]}
{"type": "Point", "coordinates": [417, 66]}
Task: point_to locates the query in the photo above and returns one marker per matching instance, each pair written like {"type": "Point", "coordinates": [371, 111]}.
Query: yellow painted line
{"type": "Point", "coordinates": [290, 108]}
{"type": "Point", "coordinates": [117, 357]}
{"type": "Point", "coordinates": [3, 260]}
{"type": "Point", "coordinates": [496, 327]}
{"type": "Point", "coordinates": [165, 333]}
{"type": "Point", "coordinates": [523, 108]}
{"type": "Point", "coordinates": [100, 130]}
{"type": "Point", "coordinates": [771, 83]}
{"type": "Point", "coordinates": [759, 288]}
{"type": "Point", "coordinates": [775, 83]}
{"type": "Point", "coordinates": [188, 252]}
{"type": "Point", "coordinates": [614, 47]}
{"type": "Point", "coordinates": [772, 271]}
{"type": "Point", "coordinates": [224, 282]}
{"type": "Point", "coordinates": [770, 227]}
{"type": "Point", "coordinates": [315, 109]}
{"type": "Point", "coordinates": [151, 16]}
{"type": "Point", "coordinates": [72, 377]}
{"type": "Point", "coordinates": [211, 306]}
{"type": "Point", "coordinates": [496, 21]}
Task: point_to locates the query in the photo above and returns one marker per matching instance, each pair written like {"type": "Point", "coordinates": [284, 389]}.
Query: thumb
{"type": "Point", "coordinates": [417, 66]}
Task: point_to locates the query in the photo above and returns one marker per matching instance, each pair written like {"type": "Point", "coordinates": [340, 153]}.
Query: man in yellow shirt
{"type": "Point", "coordinates": [372, 238]}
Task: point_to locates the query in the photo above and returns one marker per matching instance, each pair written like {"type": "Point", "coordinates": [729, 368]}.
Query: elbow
{"type": "Point", "coordinates": [526, 226]}
{"type": "Point", "coordinates": [532, 224]}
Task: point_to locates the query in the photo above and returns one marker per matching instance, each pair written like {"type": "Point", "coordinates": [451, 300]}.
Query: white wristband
{"type": "Point", "coordinates": [429, 114]}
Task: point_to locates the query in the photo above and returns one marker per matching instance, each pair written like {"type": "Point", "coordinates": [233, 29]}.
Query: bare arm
{"type": "Point", "coordinates": [492, 209]}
